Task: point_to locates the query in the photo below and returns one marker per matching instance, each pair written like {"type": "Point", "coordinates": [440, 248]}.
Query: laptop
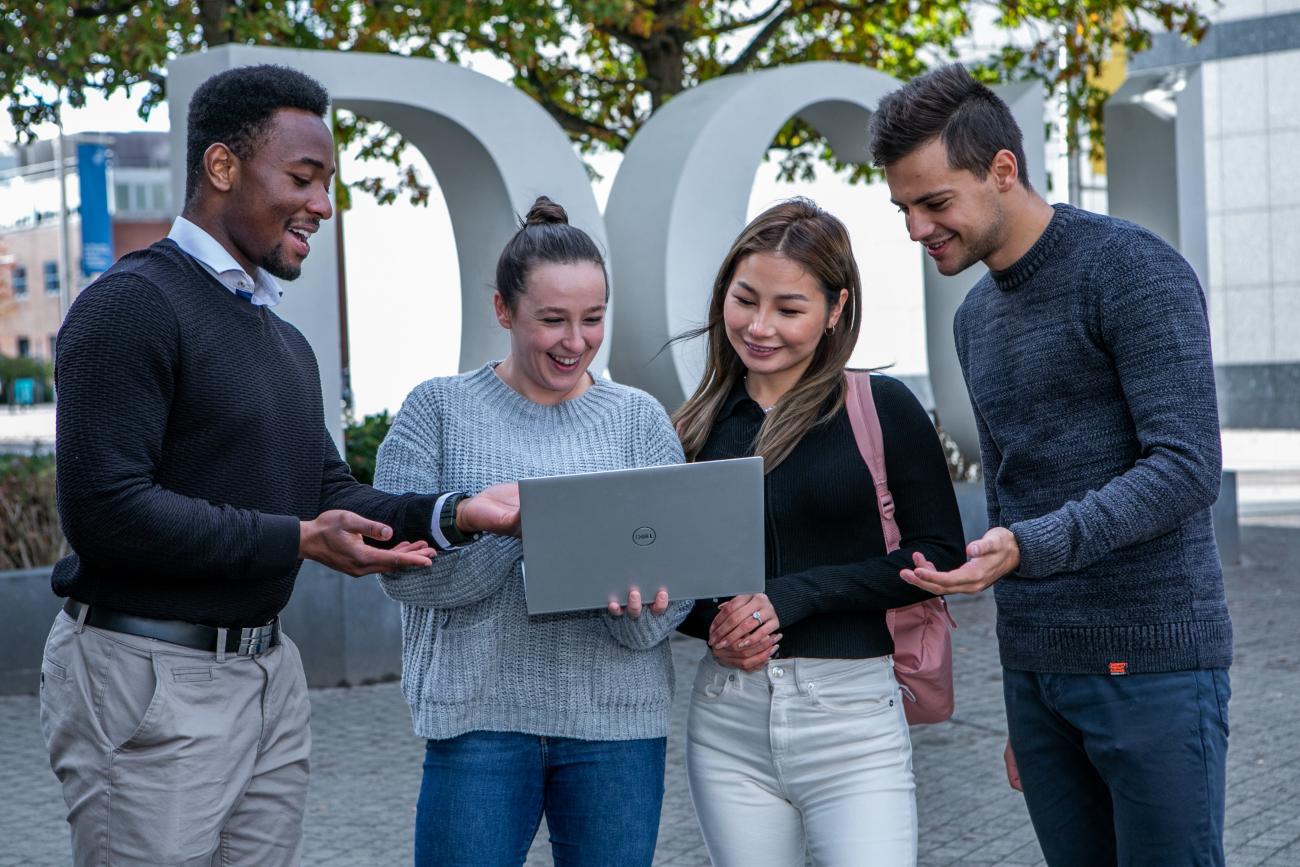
{"type": "Point", "coordinates": [696, 529]}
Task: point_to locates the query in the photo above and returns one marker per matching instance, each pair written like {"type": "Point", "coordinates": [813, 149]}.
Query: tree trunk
{"type": "Point", "coordinates": [212, 18]}
{"type": "Point", "coordinates": [664, 57]}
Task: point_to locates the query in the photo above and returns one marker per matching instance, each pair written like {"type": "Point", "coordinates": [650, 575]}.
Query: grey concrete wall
{"type": "Point", "coordinates": [349, 632]}
{"type": "Point", "coordinates": [1259, 395]}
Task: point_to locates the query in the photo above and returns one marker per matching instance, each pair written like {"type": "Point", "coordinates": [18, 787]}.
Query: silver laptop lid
{"type": "Point", "coordinates": [696, 529]}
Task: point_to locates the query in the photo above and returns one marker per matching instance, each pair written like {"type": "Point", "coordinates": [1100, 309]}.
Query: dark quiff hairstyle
{"type": "Point", "coordinates": [818, 242]}
{"type": "Point", "coordinates": [235, 107]}
{"type": "Point", "coordinates": [970, 119]}
{"type": "Point", "coordinates": [544, 237]}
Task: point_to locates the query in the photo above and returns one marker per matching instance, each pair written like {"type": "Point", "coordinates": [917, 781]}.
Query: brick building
{"type": "Point", "coordinates": [31, 273]}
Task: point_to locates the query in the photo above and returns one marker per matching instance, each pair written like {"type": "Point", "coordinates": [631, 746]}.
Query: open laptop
{"type": "Point", "coordinates": [696, 529]}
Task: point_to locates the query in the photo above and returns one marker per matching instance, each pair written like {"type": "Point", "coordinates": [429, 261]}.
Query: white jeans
{"type": "Point", "coordinates": [802, 753]}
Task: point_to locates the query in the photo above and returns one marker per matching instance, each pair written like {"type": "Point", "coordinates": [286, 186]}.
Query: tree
{"type": "Point", "coordinates": [601, 68]}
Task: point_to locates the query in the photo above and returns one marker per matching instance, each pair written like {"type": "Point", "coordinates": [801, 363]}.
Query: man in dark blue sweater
{"type": "Point", "coordinates": [1086, 353]}
{"type": "Point", "coordinates": [195, 475]}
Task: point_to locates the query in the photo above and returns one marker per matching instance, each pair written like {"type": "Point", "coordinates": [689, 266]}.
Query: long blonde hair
{"type": "Point", "coordinates": [817, 241]}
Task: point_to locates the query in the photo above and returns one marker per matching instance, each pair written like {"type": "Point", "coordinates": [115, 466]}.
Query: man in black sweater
{"type": "Point", "coordinates": [195, 474]}
{"type": "Point", "coordinates": [1086, 352]}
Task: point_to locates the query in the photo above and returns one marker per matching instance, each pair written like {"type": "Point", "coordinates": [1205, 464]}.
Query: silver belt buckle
{"type": "Point", "coordinates": [256, 639]}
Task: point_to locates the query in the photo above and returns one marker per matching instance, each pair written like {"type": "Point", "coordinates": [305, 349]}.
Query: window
{"type": "Point", "coordinates": [158, 193]}
{"type": "Point", "coordinates": [24, 348]}
{"type": "Point", "coordinates": [20, 281]}
{"type": "Point", "coordinates": [51, 270]}
{"type": "Point", "coordinates": [121, 198]}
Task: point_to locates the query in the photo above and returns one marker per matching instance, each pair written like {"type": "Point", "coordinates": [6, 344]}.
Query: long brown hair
{"type": "Point", "coordinates": [805, 234]}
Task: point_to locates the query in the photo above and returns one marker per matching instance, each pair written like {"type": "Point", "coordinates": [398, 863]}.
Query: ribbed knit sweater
{"type": "Point", "coordinates": [472, 657]}
{"type": "Point", "coordinates": [1088, 365]}
{"type": "Point", "coordinates": [190, 442]}
{"type": "Point", "coordinates": [827, 572]}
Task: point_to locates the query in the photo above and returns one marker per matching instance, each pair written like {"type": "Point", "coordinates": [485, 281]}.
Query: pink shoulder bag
{"type": "Point", "coordinates": [922, 632]}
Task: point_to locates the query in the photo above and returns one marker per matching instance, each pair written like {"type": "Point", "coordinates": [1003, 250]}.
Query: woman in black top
{"type": "Point", "coordinates": [797, 742]}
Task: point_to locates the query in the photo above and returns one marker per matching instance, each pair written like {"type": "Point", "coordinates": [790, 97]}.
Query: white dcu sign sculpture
{"type": "Point", "coordinates": [677, 202]}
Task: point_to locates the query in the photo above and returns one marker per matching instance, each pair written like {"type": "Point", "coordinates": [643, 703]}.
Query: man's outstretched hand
{"type": "Point", "coordinates": [337, 539]}
{"type": "Point", "coordinates": [492, 510]}
{"type": "Point", "coordinates": [993, 555]}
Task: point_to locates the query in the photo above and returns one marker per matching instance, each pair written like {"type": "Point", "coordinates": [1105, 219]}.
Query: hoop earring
{"type": "Point", "coordinates": [830, 331]}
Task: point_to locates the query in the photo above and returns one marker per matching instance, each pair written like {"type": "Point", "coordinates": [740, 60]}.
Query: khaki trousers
{"type": "Point", "coordinates": [167, 756]}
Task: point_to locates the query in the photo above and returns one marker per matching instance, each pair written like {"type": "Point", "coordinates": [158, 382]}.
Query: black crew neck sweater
{"type": "Point", "coordinates": [189, 443]}
{"type": "Point", "coordinates": [827, 573]}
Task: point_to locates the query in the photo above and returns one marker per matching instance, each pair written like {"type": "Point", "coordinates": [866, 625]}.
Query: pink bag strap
{"type": "Point", "coordinates": [871, 443]}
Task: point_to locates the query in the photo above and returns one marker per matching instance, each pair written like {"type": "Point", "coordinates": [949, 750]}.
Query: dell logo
{"type": "Point", "coordinates": [644, 536]}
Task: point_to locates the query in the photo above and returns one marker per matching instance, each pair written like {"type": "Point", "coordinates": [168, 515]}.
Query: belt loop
{"type": "Point", "coordinates": [81, 618]}
{"type": "Point", "coordinates": [221, 644]}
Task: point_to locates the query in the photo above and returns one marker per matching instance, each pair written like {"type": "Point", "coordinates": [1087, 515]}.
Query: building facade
{"type": "Point", "coordinates": [1212, 165]}
{"type": "Point", "coordinates": [32, 235]}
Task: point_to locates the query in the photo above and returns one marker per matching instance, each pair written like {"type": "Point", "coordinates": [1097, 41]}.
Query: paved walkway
{"type": "Point", "coordinates": [367, 764]}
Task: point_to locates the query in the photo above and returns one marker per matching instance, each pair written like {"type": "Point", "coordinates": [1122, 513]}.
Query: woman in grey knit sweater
{"type": "Point", "coordinates": [562, 714]}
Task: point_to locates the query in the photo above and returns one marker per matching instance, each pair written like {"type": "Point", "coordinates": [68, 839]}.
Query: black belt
{"type": "Point", "coordinates": [248, 641]}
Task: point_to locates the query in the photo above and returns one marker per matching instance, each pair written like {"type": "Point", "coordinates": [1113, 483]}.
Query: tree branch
{"type": "Point", "coordinates": [759, 42]}
{"type": "Point", "coordinates": [741, 24]}
{"type": "Point", "coordinates": [96, 10]}
{"type": "Point", "coordinates": [570, 120]}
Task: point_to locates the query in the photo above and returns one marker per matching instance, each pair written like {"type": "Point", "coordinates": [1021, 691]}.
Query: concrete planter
{"type": "Point", "coordinates": [349, 632]}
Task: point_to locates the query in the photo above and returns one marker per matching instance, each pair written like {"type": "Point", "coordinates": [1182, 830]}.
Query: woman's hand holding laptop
{"type": "Point", "coordinates": [634, 605]}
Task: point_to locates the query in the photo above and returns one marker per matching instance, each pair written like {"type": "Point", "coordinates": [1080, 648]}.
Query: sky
{"type": "Point", "coordinates": [403, 295]}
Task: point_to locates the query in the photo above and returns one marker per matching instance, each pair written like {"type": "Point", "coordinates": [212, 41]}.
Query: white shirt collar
{"type": "Point", "coordinates": [217, 260]}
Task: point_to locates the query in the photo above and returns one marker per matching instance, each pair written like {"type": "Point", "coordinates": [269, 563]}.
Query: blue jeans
{"type": "Point", "coordinates": [484, 793]}
{"type": "Point", "coordinates": [1124, 770]}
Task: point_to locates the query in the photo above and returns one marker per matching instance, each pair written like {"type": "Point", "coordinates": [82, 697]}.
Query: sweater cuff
{"type": "Point", "coordinates": [277, 547]}
{"type": "Point", "coordinates": [637, 633]}
{"type": "Point", "coordinates": [1043, 547]}
{"type": "Point", "coordinates": [790, 606]}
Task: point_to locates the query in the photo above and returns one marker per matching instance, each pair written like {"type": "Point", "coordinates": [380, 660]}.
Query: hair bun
{"type": "Point", "coordinates": [545, 211]}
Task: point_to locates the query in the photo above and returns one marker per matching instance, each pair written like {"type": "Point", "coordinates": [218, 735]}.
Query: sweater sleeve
{"type": "Point", "coordinates": [990, 460]}
{"type": "Point", "coordinates": [990, 455]}
{"type": "Point", "coordinates": [658, 447]}
{"type": "Point", "coordinates": [118, 355]}
{"type": "Point", "coordinates": [409, 514]}
{"type": "Point", "coordinates": [410, 459]}
{"type": "Point", "coordinates": [1151, 320]}
{"type": "Point", "coordinates": [925, 509]}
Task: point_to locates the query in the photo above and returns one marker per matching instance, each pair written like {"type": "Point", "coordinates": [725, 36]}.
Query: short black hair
{"type": "Point", "coordinates": [234, 107]}
{"type": "Point", "coordinates": [949, 104]}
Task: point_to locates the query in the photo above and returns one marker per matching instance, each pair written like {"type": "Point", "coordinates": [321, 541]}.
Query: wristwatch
{"type": "Point", "coordinates": [447, 522]}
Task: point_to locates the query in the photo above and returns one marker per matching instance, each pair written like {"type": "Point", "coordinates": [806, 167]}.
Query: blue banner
{"type": "Point", "coordinates": [96, 225]}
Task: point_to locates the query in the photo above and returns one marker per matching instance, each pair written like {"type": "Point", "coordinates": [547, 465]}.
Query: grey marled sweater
{"type": "Point", "coordinates": [1088, 364]}
{"type": "Point", "coordinates": [472, 658]}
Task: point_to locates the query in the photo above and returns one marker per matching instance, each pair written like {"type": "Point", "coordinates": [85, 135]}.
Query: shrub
{"type": "Point", "coordinates": [361, 441]}
{"type": "Point", "coordinates": [30, 535]}
{"type": "Point", "coordinates": [26, 368]}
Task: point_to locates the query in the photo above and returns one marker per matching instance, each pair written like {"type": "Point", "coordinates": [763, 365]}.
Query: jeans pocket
{"type": "Point", "coordinates": [1222, 694]}
{"type": "Point", "coordinates": [713, 682]}
{"type": "Point", "coordinates": [50, 668]}
{"type": "Point", "coordinates": [853, 698]}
